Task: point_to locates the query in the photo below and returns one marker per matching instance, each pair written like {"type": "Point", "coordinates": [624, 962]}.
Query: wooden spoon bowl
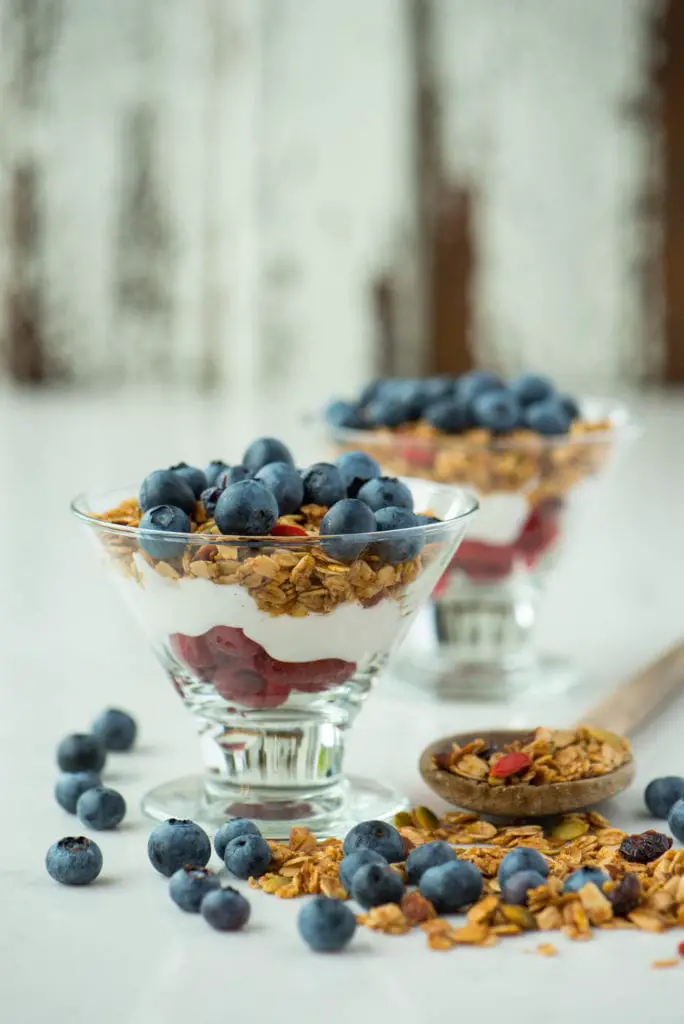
{"type": "Point", "coordinates": [516, 801]}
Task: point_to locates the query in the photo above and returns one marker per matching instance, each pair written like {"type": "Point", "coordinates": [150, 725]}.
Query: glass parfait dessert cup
{"type": "Point", "coordinates": [476, 636]}
{"type": "Point", "coordinates": [273, 643]}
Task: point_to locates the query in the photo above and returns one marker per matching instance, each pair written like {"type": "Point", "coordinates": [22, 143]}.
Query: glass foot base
{"type": "Point", "coordinates": [325, 814]}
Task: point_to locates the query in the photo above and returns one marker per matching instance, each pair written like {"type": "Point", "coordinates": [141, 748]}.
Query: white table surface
{"type": "Point", "coordinates": [120, 951]}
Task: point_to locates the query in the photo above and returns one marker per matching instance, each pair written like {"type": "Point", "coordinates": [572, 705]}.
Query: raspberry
{"type": "Point", "coordinates": [193, 651]}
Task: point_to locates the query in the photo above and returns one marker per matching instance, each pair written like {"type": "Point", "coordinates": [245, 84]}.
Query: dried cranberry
{"type": "Point", "coordinates": [626, 895]}
{"type": "Point", "coordinates": [643, 848]}
{"type": "Point", "coordinates": [680, 948]}
{"type": "Point", "coordinates": [442, 761]}
{"type": "Point", "coordinates": [511, 764]}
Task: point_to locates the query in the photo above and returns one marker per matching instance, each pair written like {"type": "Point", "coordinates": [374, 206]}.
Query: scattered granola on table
{"type": "Point", "coordinates": [639, 896]}
{"type": "Point", "coordinates": [560, 755]}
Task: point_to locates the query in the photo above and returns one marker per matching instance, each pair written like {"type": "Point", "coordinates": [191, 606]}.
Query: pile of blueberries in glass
{"type": "Point", "coordinates": [455, 404]}
{"type": "Point", "coordinates": [248, 499]}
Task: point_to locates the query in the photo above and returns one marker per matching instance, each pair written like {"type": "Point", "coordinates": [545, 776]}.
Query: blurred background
{"type": "Point", "coordinates": [270, 196]}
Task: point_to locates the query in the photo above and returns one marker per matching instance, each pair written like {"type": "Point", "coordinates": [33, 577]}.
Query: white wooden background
{"type": "Point", "coordinates": [207, 189]}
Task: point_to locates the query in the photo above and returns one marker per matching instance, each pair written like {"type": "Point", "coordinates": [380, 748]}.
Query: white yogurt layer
{"type": "Point", "coordinates": [192, 606]}
{"type": "Point", "coordinates": [500, 518]}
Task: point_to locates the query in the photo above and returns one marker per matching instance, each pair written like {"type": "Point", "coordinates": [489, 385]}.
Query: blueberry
{"type": "Point", "coordinates": [349, 516]}
{"type": "Point", "coordinates": [516, 887]}
{"type": "Point", "coordinates": [570, 405]}
{"type": "Point", "coordinates": [226, 910]}
{"type": "Point", "coordinates": [81, 752]}
{"type": "Point", "coordinates": [163, 519]}
{"type": "Point", "coordinates": [379, 836]}
{"type": "Point", "coordinates": [233, 475]}
{"type": "Point", "coordinates": [246, 508]}
{"type": "Point", "coordinates": [427, 520]}
{"type": "Point", "coordinates": [165, 487]}
{"type": "Point", "coordinates": [101, 808]}
{"type": "Point", "coordinates": [497, 411]}
{"type": "Point", "coordinates": [74, 861]}
{"type": "Point", "coordinates": [390, 411]}
{"type": "Point", "coordinates": [451, 886]}
{"type": "Point", "coordinates": [265, 450]}
{"type": "Point", "coordinates": [356, 469]}
{"type": "Point", "coordinates": [344, 415]}
{"type": "Point", "coordinates": [70, 785]}
{"type": "Point", "coordinates": [175, 843]}
{"type": "Point", "coordinates": [435, 389]}
{"type": "Point", "coordinates": [189, 886]}
{"type": "Point", "coordinates": [661, 794]}
{"type": "Point", "coordinates": [370, 391]}
{"type": "Point", "coordinates": [583, 876]}
{"type": "Point", "coordinates": [375, 884]}
{"type": "Point", "coordinates": [326, 924]}
{"type": "Point", "coordinates": [193, 476]}
{"type": "Point", "coordinates": [285, 483]}
{"type": "Point", "coordinates": [429, 855]}
{"type": "Point", "coordinates": [231, 830]}
{"type": "Point", "coordinates": [470, 386]}
{"type": "Point", "coordinates": [397, 549]}
{"type": "Point", "coordinates": [675, 820]}
{"type": "Point", "coordinates": [116, 728]}
{"type": "Point", "coordinates": [213, 471]}
{"type": "Point", "coordinates": [521, 859]}
{"type": "Point", "coordinates": [549, 418]}
{"type": "Point", "coordinates": [351, 864]}
{"type": "Point", "coordinates": [323, 485]}
{"type": "Point", "coordinates": [385, 491]}
{"type": "Point", "coordinates": [449, 415]}
{"type": "Point", "coordinates": [247, 856]}
{"type": "Point", "coordinates": [209, 497]}
{"type": "Point", "coordinates": [531, 387]}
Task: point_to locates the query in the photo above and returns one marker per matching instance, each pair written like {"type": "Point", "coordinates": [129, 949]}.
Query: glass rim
{"type": "Point", "coordinates": [431, 531]}
{"type": "Point", "coordinates": [621, 426]}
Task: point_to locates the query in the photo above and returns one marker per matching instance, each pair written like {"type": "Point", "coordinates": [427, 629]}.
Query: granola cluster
{"type": "Point", "coordinates": [542, 469]}
{"type": "Point", "coordinates": [639, 897]}
{"type": "Point", "coordinates": [561, 755]}
{"type": "Point", "coordinates": [282, 580]}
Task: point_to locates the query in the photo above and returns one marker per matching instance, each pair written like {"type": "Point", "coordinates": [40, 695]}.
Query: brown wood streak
{"type": "Point", "coordinates": [671, 82]}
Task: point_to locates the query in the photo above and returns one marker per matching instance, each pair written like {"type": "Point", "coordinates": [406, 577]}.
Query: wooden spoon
{"type": "Point", "coordinates": [628, 708]}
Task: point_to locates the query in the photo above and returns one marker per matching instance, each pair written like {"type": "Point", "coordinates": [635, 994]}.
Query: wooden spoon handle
{"type": "Point", "coordinates": [637, 699]}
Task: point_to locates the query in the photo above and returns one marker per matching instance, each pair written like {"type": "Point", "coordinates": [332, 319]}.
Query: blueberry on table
{"type": "Point", "coordinates": [349, 516]}
{"type": "Point", "coordinates": [247, 508]}
{"type": "Point", "coordinates": [154, 527]}
{"type": "Point", "coordinates": [451, 886]}
{"type": "Point", "coordinates": [402, 548]}
{"type": "Point", "coordinates": [193, 476]}
{"type": "Point", "coordinates": [374, 884]}
{"type": "Point", "coordinates": [675, 820]}
{"type": "Point", "coordinates": [429, 855]}
{"type": "Point", "coordinates": [516, 888]}
{"type": "Point", "coordinates": [522, 859]}
{"type": "Point", "coordinates": [661, 794]}
{"type": "Point", "coordinates": [585, 876]}
{"type": "Point", "coordinates": [247, 856]}
{"type": "Point", "coordinates": [213, 471]}
{"type": "Point", "coordinates": [101, 808]}
{"type": "Point", "coordinates": [116, 728]}
{"type": "Point", "coordinates": [326, 925]}
{"type": "Point", "coordinates": [208, 498]}
{"type": "Point", "coordinates": [231, 830]}
{"type": "Point", "coordinates": [232, 475]}
{"type": "Point", "coordinates": [166, 487]}
{"type": "Point", "coordinates": [265, 450]}
{"type": "Point", "coordinates": [356, 469]}
{"type": "Point", "coordinates": [450, 415]}
{"type": "Point", "coordinates": [375, 835]}
{"type": "Point", "coordinates": [385, 491]}
{"type": "Point", "coordinates": [175, 843]}
{"type": "Point", "coordinates": [70, 785]}
{"type": "Point", "coordinates": [497, 411]}
{"type": "Point", "coordinates": [285, 483]}
{"type": "Point", "coordinates": [189, 886]}
{"type": "Point", "coordinates": [323, 485]}
{"type": "Point", "coordinates": [74, 860]}
{"type": "Point", "coordinates": [351, 864]}
{"type": "Point", "coordinates": [531, 387]}
{"type": "Point", "coordinates": [548, 418]}
{"type": "Point", "coordinates": [470, 386]}
{"type": "Point", "coordinates": [344, 415]}
{"type": "Point", "coordinates": [81, 752]}
{"type": "Point", "coordinates": [226, 910]}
